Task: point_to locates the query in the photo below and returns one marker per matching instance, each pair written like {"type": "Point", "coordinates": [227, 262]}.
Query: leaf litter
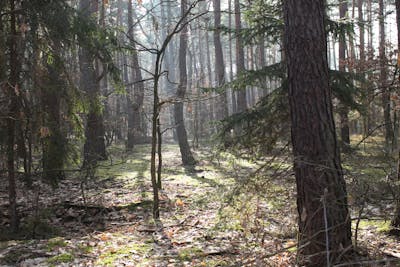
{"type": "Point", "coordinates": [204, 221]}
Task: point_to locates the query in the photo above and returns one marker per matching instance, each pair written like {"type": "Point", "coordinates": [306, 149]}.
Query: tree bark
{"type": "Point", "coordinates": [94, 148]}
{"type": "Point", "coordinates": [240, 67]}
{"type": "Point", "coordinates": [54, 144]}
{"type": "Point", "coordinates": [12, 88]}
{"type": "Point", "coordinates": [135, 130]}
{"type": "Point", "coordinates": [324, 219]}
{"type": "Point", "coordinates": [383, 80]}
{"type": "Point", "coordinates": [186, 154]}
{"type": "Point", "coordinates": [219, 62]}
{"type": "Point", "coordinates": [395, 223]}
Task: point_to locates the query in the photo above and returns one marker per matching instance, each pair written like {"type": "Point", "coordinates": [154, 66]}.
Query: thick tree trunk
{"type": "Point", "coordinates": [94, 148]}
{"type": "Point", "coordinates": [324, 219]}
{"type": "Point", "coordinates": [241, 94]}
{"type": "Point", "coordinates": [219, 62]}
{"type": "Point", "coordinates": [12, 88]}
{"type": "Point", "coordinates": [54, 144]}
{"type": "Point", "coordinates": [135, 130]}
{"type": "Point", "coordinates": [186, 154]}
{"type": "Point", "coordinates": [395, 223]}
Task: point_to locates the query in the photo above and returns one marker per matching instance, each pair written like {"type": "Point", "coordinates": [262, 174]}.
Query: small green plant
{"type": "Point", "coordinates": [61, 258]}
{"type": "Point", "coordinates": [111, 256]}
{"type": "Point", "coordinates": [85, 249]}
{"type": "Point", "coordinates": [56, 242]}
{"type": "Point", "coordinates": [187, 254]}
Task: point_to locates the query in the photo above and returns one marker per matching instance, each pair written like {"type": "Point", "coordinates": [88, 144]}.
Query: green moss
{"type": "Point", "coordinates": [61, 258]}
{"type": "Point", "coordinates": [187, 254]}
{"type": "Point", "coordinates": [111, 256]}
{"type": "Point", "coordinates": [85, 249]}
{"type": "Point", "coordinates": [56, 243]}
{"type": "Point", "coordinates": [379, 225]}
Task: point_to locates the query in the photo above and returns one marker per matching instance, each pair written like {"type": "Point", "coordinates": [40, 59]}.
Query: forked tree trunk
{"type": "Point", "coordinates": [324, 219]}
{"type": "Point", "coordinates": [186, 154]}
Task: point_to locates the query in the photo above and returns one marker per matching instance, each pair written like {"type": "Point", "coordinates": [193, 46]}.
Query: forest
{"type": "Point", "coordinates": [199, 133]}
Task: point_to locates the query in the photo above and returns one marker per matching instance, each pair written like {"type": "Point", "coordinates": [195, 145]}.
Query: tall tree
{"type": "Point", "coordinates": [324, 219]}
{"type": "Point", "coordinates": [12, 87]}
{"type": "Point", "coordinates": [94, 148]}
{"type": "Point", "coordinates": [395, 224]}
{"type": "Point", "coordinates": [240, 67]}
{"type": "Point", "coordinates": [135, 107]}
{"type": "Point", "coordinates": [186, 154]}
{"type": "Point", "coordinates": [383, 79]}
{"type": "Point", "coordinates": [344, 111]}
{"type": "Point", "coordinates": [222, 111]}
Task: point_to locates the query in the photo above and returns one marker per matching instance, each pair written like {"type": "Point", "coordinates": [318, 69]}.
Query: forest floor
{"type": "Point", "coordinates": [215, 214]}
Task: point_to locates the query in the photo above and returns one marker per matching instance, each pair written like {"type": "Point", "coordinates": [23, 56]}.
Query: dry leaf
{"type": "Point", "coordinates": [179, 203]}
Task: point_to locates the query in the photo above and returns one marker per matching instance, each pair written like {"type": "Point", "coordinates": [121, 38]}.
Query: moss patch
{"type": "Point", "coordinates": [61, 258]}
{"type": "Point", "coordinates": [187, 254]}
{"type": "Point", "coordinates": [379, 225]}
{"type": "Point", "coordinates": [111, 256]}
{"type": "Point", "coordinates": [56, 242]}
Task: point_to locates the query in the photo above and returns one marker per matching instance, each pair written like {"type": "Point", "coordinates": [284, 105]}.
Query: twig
{"type": "Point", "coordinates": [323, 200]}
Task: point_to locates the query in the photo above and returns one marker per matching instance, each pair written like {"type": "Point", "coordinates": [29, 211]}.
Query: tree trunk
{"type": "Point", "coordinates": [383, 80]}
{"type": "Point", "coordinates": [324, 219]}
{"type": "Point", "coordinates": [135, 130]}
{"type": "Point", "coordinates": [94, 148]}
{"type": "Point", "coordinates": [219, 62]}
{"type": "Point", "coordinates": [233, 93]}
{"type": "Point", "coordinates": [54, 144]}
{"type": "Point", "coordinates": [395, 223]}
{"type": "Point", "coordinates": [344, 111]}
{"type": "Point", "coordinates": [12, 88]}
{"type": "Point", "coordinates": [186, 154]}
{"type": "Point", "coordinates": [241, 94]}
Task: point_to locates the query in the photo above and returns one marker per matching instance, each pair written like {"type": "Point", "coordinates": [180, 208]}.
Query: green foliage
{"type": "Point", "coordinates": [187, 254]}
{"type": "Point", "coordinates": [267, 123]}
{"type": "Point", "coordinates": [344, 88]}
{"type": "Point", "coordinates": [56, 242]}
{"type": "Point", "coordinates": [264, 125]}
{"type": "Point", "coordinates": [61, 258]}
{"type": "Point", "coordinates": [112, 255]}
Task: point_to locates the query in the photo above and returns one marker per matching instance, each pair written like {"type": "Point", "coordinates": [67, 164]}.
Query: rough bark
{"type": "Point", "coordinates": [135, 127]}
{"type": "Point", "coordinates": [12, 88]}
{"type": "Point", "coordinates": [94, 147]}
{"type": "Point", "coordinates": [186, 154]}
{"type": "Point", "coordinates": [54, 143]}
{"type": "Point", "coordinates": [324, 219]}
{"type": "Point", "coordinates": [395, 223]}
